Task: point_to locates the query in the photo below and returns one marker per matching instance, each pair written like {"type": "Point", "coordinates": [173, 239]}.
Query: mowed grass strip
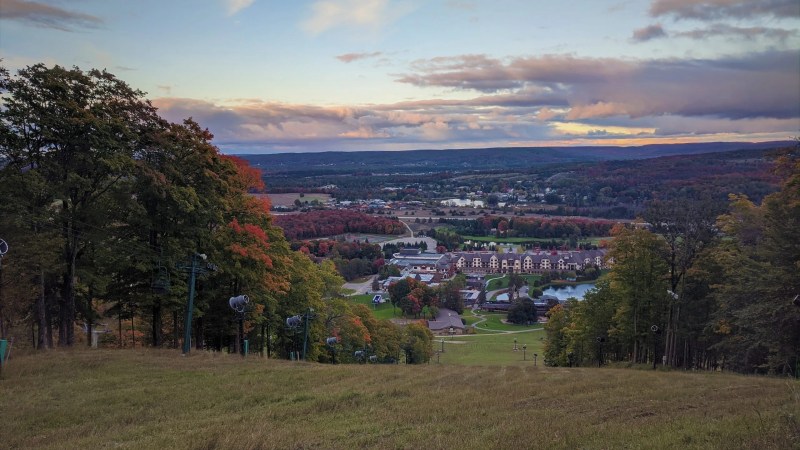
{"type": "Point", "coordinates": [157, 399]}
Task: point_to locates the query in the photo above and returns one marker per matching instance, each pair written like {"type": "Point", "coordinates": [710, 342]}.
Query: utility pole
{"type": "Point", "coordinates": [3, 251]}
{"type": "Point", "coordinates": [309, 316]}
{"type": "Point", "coordinates": [193, 270]}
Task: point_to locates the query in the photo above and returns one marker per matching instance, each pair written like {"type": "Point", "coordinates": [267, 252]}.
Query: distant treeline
{"type": "Point", "coordinates": [543, 228]}
{"type": "Point", "coordinates": [323, 223]}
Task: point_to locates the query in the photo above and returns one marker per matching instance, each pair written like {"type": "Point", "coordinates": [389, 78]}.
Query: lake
{"type": "Point", "coordinates": [566, 291]}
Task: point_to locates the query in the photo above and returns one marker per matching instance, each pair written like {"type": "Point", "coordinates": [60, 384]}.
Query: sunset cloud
{"type": "Point", "coordinates": [252, 125]}
{"type": "Point", "coordinates": [753, 85]}
{"type": "Point", "coordinates": [364, 14]}
{"type": "Point", "coordinates": [529, 101]}
{"type": "Point", "coordinates": [648, 33]}
{"type": "Point", "coordinates": [350, 57]}
{"type": "Point", "coordinates": [719, 9]}
{"type": "Point", "coordinates": [46, 16]}
{"type": "Point", "coordinates": [234, 6]}
{"type": "Point", "coordinates": [776, 34]}
{"type": "Point", "coordinates": [716, 30]}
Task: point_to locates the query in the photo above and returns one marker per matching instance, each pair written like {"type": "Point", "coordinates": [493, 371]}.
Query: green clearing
{"type": "Point", "coordinates": [501, 282]}
{"type": "Point", "coordinates": [491, 348]}
{"type": "Point", "coordinates": [381, 311]}
{"type": "Point", "coordinates": [157, 399]}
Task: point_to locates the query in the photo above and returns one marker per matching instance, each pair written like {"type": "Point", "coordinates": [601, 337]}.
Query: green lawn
{"type": "Point", "coordinates": [381, 311]}
{"type": "Point", "coordinates": [490, 349]}
{"type": "Point", "coordinates": [501, 282]}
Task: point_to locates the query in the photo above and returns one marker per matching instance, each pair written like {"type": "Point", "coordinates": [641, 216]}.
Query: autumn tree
{"type": "Point", "coordinates": [758, 321]}
{"type": "Point", "coordinates": [411, 295]}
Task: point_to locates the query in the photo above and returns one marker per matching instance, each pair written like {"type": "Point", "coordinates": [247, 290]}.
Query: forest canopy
{"type": "Point", "coordinates": [106, 208]}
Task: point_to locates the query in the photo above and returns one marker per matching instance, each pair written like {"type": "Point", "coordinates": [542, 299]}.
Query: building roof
{"type": "Point", "coordinates": [445, 319]}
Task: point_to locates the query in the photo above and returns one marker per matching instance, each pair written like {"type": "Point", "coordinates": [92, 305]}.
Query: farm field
{"type": "Point", "coordinates": [158, 399]}
{"type": "Point", "coordinates": [288, 199]}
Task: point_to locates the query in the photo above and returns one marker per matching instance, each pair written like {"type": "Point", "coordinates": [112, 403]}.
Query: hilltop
{"type": "Point", "coordinates": [480, 159]}
{"type": "Point", "coordinates": [156, 399]}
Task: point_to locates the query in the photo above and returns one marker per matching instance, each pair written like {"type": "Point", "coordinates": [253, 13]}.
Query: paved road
{"type": "Point", "coordinates": [360, 288]}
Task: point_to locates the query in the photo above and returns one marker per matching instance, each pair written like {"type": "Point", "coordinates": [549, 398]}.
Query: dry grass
{"type": "Point", "coordinates": [157, 399]}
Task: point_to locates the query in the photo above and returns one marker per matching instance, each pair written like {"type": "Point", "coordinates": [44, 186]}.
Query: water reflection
{"type": "Point", "coordinates": [567, 291]}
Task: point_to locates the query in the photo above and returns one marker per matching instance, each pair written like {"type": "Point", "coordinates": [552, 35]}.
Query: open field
{"type": "Point", "coordinates": [289, 198]}
{"type": "Point", "coordinates": [528, 240]}
{"type": "Point", "coordinates": [495, 349]}
{"type": "Point", "coordinates": [157, 399]}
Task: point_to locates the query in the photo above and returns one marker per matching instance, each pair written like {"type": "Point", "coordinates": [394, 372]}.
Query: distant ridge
{"type": "Point", "coordinates": [483, 158]}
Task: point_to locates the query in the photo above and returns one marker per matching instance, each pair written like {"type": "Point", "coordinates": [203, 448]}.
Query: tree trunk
{"type": "Point", "coordinates": [133, 331]}
{"type": "Point", "coordinates": [199, 334]}
{"type": "Point", "coordinates": [175, 332]}
{"type": "Point", "coordinates": [157, 334]}
{"type": "Point", "coordinates": [89, 315]}
{"type": "Point", "coordinates": [42, 320]}
{"type": "Point", "coordinates": [66, 313]}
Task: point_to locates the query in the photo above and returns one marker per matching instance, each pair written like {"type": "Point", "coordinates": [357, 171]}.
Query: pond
{"type": "Point", "coordinates": [571, 290]}
{"type": "Point", "coordinates": [462, 202]}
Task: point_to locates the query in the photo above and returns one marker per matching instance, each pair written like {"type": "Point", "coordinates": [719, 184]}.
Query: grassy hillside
{"type": "Point", "coordinates": [157, 399]}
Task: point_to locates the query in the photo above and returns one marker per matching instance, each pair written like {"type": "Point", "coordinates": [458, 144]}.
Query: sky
{"type": "Point", "coordinates": [272, 76]}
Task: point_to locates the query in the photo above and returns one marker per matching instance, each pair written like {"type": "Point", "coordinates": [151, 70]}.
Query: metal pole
{"type": "Point", "coordinates": [187, 335]}
{"type": "Point", "coordinates": [268, 354]}
{"type": "Point", "coordinates": [241, 333]}
{"type": "Point", "coordinates": [305, 334]}
{"type": "Point", "coordinates": [262, 339]}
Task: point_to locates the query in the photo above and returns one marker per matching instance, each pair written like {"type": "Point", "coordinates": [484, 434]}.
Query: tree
{"type": "Point", "coordinates": [687, 226]}
{"type": "Point", "coordinates": [555, 346]}
{"type": "Point", "coordinates": [757, 325]}
{"type": "Point", "coordinates": [522, 312]}
{"type": "Point", "coordinates": [417, 343]}
{"type": "Point", "coordinates": [639, 289]}
{"type": "Point", "coordinates": [450, 294]}
{"type": "Point", "coordinates": [80, 131]}
{"type": "Point", "coordinates": [411, 295]}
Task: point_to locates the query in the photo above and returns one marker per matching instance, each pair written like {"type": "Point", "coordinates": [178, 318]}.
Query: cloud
{"type": "Point", "coordinates": [46, 16]}
{"type": "Point", "coordinates": [719, 9]}
{"type": "Point", "coordinates": [648, 33]}
{"type": "Point", "coordinates": [546, 100]}
{"type": "Point", "coordinates": [753, 85]}
{"type": "Point", "coordinates": [365, 14]}
{"type": "Point", "coordinates": [234, 6]}
{"type": "Point", "coordinates": [778, 34]}
{"type": "Point", "coordinates": [350, 57]}
{"type": "Point", "coordinates": [464, 5]}
{"type": "Point", "coordinates": [714, 30]}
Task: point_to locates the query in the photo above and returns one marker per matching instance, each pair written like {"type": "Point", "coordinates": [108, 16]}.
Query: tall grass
{"type": "Point", "coordinates": [157, 399]}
